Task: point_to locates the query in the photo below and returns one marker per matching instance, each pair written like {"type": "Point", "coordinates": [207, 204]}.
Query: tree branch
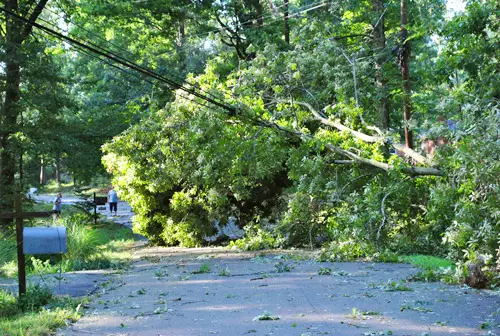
{"type": "Point", "coordinates": [384, 218]}
{"type": "Point", "coordinates": [370, 162]}
{"type": "Point", "coordinates": [362, 136]}
{"type": "Point", "coordinates": [34, 15]}
{"type": "Point", "coordinates": [336, 124]}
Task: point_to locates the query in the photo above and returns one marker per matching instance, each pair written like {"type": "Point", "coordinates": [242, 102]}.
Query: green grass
{"type": "Point", "coordinates": [68, 189]}
{"type": "Point", "coordinates": [7, 254]}
{"type": "Point", "coordinates": [434, 268]}
{"type": "Point", "coordinates": [105, 246]}
{"type": "Point", "coordinates": [427, 262]}
{"type": "Point", "coordinates": [38, 313]}
{"type": "Point", "coordinates": [51, 188]}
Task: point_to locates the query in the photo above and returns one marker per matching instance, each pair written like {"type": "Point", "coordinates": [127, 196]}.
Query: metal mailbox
{"type": "Point", "coordinates": [44, 240]}
{"type": "Point", "coordinates": [100, 200]}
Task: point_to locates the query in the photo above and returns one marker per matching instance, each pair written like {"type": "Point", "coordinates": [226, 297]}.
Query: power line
{"type": "Point", "coordinates": [84, 51]}
{"type": "Point", "coordinates": [119, 48]}
{"type": "Point", "coordinates": [121, 61]}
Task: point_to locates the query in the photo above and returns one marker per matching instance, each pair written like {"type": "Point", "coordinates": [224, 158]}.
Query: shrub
{"type": "Point", "coordinates": [8, 304]}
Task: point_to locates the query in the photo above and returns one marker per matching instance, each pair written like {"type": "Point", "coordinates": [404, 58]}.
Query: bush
{"type": "Point", "coordinates": [35, 298]}
{"type": "Point", "coordinates": [8, 304]}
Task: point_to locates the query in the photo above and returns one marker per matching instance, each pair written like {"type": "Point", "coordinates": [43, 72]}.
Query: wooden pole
{"type": "Point", "coordinates": [21, 262]}
{"type": "Point", "coordinates": [19, 216]}
{"type": "Point", "coordinates": [95, 211]}
{"type": "Point", "coordinates": [405, 73]}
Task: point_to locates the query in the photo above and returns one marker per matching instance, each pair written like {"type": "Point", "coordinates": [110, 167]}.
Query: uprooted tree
{"type": "Point", "coordinates": [301, 154]}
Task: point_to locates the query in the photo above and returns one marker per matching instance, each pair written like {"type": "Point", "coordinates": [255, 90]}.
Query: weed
{"type": "Point", "coordinates": [141, 291]}
{"type": "Point", "coordinates": [205, 268]}
{"type": "Point", "coordinates": [359, 314]}
{"type": "Point", "coordinates": [439, 323]}
{"type": "Point", "coordinates": [282, 267]}
{"type": "Point", "coordinates": [266, 317]}
{"type": "Point", "coordinates": [261, 259]}
{"type": "Point", "coordinates": [325, 271]}
{"type": "Point", "coordinates": [225, 272]}
{"type": "Point", "coordinates": [36, 313]}
{"type": "Point", "coordinates": [159, 274]}
{"type": "Point", "coordinates": [8, 304]}
{"type": "Point", "coordinates": [484, 325]}
{"type": "Point", "coordinates": [393, 286]}
{"type": "Point", "coordinates": [420, 309]}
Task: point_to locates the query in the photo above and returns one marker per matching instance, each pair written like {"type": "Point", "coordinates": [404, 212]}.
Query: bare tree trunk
{"type": "Point", "coordinates": [287, 26]}
{"type": "Point", "coordinates": [405, 73]}
{"type": "Point", "coordinates": [379, 44]}
{"type": "Point", "coordinates": [58, 170]}
{"type": "Point", "coordinates": [43, 175]}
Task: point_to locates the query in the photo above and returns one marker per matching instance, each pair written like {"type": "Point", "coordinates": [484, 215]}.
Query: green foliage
{"type": "Point", "coordinates": [427, 262]}
{"type": "Point", "coordinates": [283, 267]}
{"type": "Point", "coordinates": [38, 312]}
{"type": "Point", "coordinates": [8, 304]}
{"type": "Point", "coordinates": [394, 286]}
{"type": "Point", "coordinates": [7, 252]}
{"type": "Point", "coordinates": [187, 168]}
{"type": "Point", "coordinates": [325, 271]}
{"type": "Point", "coordinates": [205, 268]}
{"type": "Point", "coordinates": [256, 238]}
{"type": "Point", "coordinates": [36, 297]}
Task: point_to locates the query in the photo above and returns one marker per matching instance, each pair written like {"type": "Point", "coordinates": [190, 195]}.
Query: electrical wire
{"type": "Point", "coordinates": [120, 48]}
{"type": "Point", "coordinates": [110, 52]}
{"type": "Point", "coordinates": [116, 58]}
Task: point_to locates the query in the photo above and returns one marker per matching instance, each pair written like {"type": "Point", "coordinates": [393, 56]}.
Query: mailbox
{"type": "Point", "coordinates": [100, 200]}
{"type": "Point", "coordinates": [44, 240]}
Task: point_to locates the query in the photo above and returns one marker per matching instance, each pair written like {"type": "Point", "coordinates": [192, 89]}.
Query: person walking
{"type": "Point", "coordinates": [56, 209]}
{"type": "Point", "coordinates": [113, 201]}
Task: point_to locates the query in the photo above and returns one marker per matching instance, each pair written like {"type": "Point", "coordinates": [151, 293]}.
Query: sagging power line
{"type": "Point", "coordinates": [124, 62]}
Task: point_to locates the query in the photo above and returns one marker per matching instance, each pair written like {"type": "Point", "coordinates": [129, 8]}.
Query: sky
{"type": "Point", "coordinates": [455, 5]}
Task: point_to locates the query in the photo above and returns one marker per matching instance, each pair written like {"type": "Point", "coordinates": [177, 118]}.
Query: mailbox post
{"type": "Point", "coordinates": [98, 200]}
{"type": "Point", "coordinates": [19, 216]}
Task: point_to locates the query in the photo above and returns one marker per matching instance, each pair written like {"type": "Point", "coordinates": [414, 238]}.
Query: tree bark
{"type": "Point", "coordinates": [15, 33]}
{"type": "Point", "coordinates": [405, 74]}
{"type": "Point", "coordinates": [43, 176]}
{"type": "Point", "coordinates": [58, 170]}
{"type": "Point", "coordinates": [408, 152]}
{"type": "Point", "coordinates": [379, 42]}
{"type": "Point", "coordinates": [10, 109]}
{"type": "Point", "coordinates": [287, 26]}
{"type": "Point", "coordinates": [411, 170]}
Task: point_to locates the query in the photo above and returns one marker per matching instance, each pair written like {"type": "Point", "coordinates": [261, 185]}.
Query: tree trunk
{"type": "Point", "coordinates": [405, 73]}
{"type": "Point", "coordinates": [15, 34]}
{"type": "Point", "coordinates": [379, 46]}
{"type": "Point", "coordinates": [10, 109]}
{"type": "Point", "coordinates": [287, 26]}
{"type": "Point", "coordinates": [43, 174]}
{"type": "Point", "coordinates": [58, 170]}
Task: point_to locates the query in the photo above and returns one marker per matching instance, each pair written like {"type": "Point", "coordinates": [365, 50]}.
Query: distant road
{"type": "Point", "coordinates": [50, 199]}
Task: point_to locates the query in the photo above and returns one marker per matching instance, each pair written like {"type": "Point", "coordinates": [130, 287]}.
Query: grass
{"type": "Point", "coordinates": [205, 268]}
{"type": "Point", "coordinates": [434, 268]}
{"type": "Point", "coordinates": [38, 313]}
{"type": "Point", "coordinates": [105, 246]}
{"type": "Point", "coordinates": [51, 188]}
{"type": "Point", "coordinates": [427, 262]}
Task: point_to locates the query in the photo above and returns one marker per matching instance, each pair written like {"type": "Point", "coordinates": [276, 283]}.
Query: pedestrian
{"type": "Point", "coordinates": [113, 201]}
{"type": "Point", "coordinates": [56, 209]}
